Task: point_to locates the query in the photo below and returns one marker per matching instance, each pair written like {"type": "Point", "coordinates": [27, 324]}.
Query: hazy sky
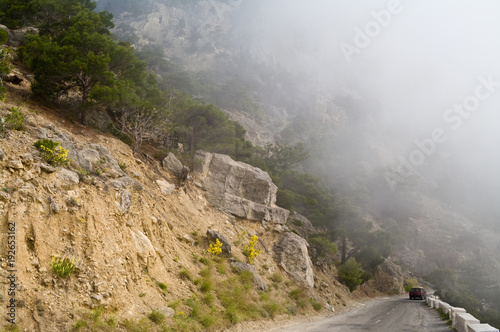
{"type": "Point", "coordinates": [433, 65]}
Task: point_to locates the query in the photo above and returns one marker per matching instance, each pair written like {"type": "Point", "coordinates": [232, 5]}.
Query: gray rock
{"type": "Point", "coordinates": [16, 37]}
{"type": "Point", "coordinates": [389, 278]}
{"type": "Point", "coordinates": [32, 173]}
{"type": "Point", "coordinates": [136, 174]}
{"type": "Point", "coordinates": [165, 187]}
{"type": "Point", "coordinates": [166, 311]}
{"type": "Point", "coordinates": [187, 238]}
{"type": "Point", "coordinates": [47, 168]}
{"type": "Point", "coordinates": [238, 188]}
{"type": "Point", "coordinates": [27, 159]}
{"type": "Point", "coordinates": [173, 165]}
{"type": "Point", "coordinates": [4, 197]}
{"type": "Point", "coordinates": [97, 297]}
{"type": "Point", "coordinates": [28, 190]}
{"type": "Point", "coordinates": [53, 207]}
{"type": "Point", "coordinates": [226, 245]}
{"type": "Point", "coordinates": [86, 158]}
{"type": "Point", "coordinates": [292, 255]}
{"type": "Point", "coordinates": [125, 201]}
{"type": "Point", "coordinates": [3, 155]}
{"type": "Point", "coordinates": [240, 267]}
{"type": "Point", "coordinates": [302, 222]}
{"type": "Point", "coordinates": [15, 164]}
{"type": "Point", "coordinates": [144, 248]}
{"type": "Point", "coordinates": [111, 173]}
{"type": "Point", "coordinates": [99, 286]}
{"type": "Point", "coordinates": [68, 179]}
{"type": "Point", "coordinates": [97, 156]}
{"type": "Point", "coordinates": [126, 182]}
{"type": "Point", "coordinates": [279, 228]}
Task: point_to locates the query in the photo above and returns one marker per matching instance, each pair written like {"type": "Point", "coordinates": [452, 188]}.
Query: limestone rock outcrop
{"type": "Point", "coordinates": [292, 255]}
{"type": "Point", "coordinates": [259, 283]}
{"type": "Point", "coordinates": [389, 278]}
{"type": "Point", "coordinates": [238, 188]}
{"type": "Point", "coordinates": [144, 248]}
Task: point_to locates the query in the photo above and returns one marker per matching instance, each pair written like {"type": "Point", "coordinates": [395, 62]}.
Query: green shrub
{"type": "Point", "coordinates": [4, 36]}
{"type": "Point", "coordinates": [52, 152]}
{"type": "Point", "coordinates": [322, 247]}
{"type": "Point", "coordinates": [15, 119]}
{"type": "Point", "coordinates": [162, 286]}
{"type": "Point", "coordinates": [80, 324]}
{"type": "Point", "coordinates": [4, 69]}
{"type": "Point", "coordinates": [410, 283]}
{"type": "Point", "coordinates": [272, 308]}
{"type": "Point", "coordinates": [156, 317]}
{"type": "Point", "coordinates": [235, 295]}
{"type": "Point", "coordinates": [299, 295]}
{"type": "Point", "coordinates": [174, 305]}
{"type": "Point", "coordinates": [123, 166]}
{"type": "Point", "coordinates": [63, 267]}
{"type": "Point", "coordinates": [277, 277]}
{"type": "Point", "coordinates": [351, 274]}
{"type": "Point", "coordinates": [204, 261]}
{"type": "Point", "coordinates": [185, 274]}
{"type": "Point", "coordinates": [316, 305]}
{"type": "Point", "coordinates": [207, 285]}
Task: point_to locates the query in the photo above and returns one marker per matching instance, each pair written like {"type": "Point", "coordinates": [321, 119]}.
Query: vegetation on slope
{"type": "Point", "coordinates": [77, 62]}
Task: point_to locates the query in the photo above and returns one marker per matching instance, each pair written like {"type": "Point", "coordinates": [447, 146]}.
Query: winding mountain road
{"type": "Point", "coordinates": [391, 314]}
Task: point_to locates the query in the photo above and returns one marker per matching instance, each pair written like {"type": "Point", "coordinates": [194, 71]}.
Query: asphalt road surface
{"type": "Point", "coordinates": [392, 314]}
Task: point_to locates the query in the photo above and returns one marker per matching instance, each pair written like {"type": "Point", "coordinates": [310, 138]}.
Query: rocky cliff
{"type": "Point", "coordinates": [137, 238]}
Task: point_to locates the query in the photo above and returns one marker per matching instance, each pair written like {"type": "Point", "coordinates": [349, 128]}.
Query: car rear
{"type": "Point", "coordinates": [417, 292]}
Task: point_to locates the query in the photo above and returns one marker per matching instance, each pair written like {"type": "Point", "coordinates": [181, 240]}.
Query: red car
{"type": "Point", "coordinates": [418, 292]}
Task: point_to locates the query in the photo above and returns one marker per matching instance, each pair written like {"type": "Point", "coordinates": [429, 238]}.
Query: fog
{"type": "Point", "coordinates": [426, 73]}
{"type": "Point", "coordinates": [432, 66]}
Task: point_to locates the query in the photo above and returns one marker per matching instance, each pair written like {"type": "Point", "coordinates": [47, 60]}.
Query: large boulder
{"type": "Point", "coordinates": [301, 224]}
{"type": "Point", "coordinates": [292, 255]}
{"type": "Point", "coordinates": [239, 188]}
{"type": "Point", "coordinates": [171, 164]}
{"type": "Point", "coordinates": [389, 278]}
{"type": "Point", "coordinates": [96, 156]}
{"type": "Point", "coordinates": [65, 178]}
{"type": "Point", "coordinates": [16, 37]}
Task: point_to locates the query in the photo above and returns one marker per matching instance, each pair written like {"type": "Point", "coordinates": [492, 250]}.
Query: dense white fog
{"type": "Point", "coordinates": [433, 66]}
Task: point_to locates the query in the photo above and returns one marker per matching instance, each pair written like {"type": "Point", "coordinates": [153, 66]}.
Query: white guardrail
{"type": "Point", "coordinates": [460, 319]}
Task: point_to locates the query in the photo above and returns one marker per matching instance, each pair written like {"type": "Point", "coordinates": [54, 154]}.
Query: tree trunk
{"type": "Point", "coordinates": [192, 140]}
{"type": "Point", "coordinates": [344, 250]}
{"type": "Point", "coordinates": [83, 117]}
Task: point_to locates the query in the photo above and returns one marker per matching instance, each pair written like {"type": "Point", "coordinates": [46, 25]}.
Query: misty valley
{"type": "Point", "coordinates": [377, 122]}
